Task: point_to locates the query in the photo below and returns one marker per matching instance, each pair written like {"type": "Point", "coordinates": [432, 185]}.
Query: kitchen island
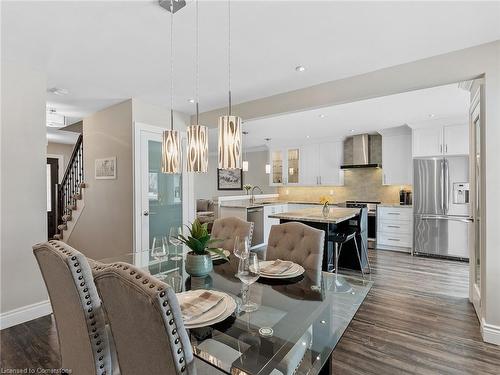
{"type": "Point", "coordinates": [338, 218]}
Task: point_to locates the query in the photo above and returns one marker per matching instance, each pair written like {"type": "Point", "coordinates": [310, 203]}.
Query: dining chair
{"type": "Point", "coordinates": [298, 243]}
{"type": "Point", "coordinates": [81, 329]}
{"type": "Point", "coordinates": [227, 228]}
{"type": "Point", "coordinates": [145, 320]}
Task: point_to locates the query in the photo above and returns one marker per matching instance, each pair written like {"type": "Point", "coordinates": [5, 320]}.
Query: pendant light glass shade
{"type": "Point", "coordinates": [197, 148]}
{"type": "Point", "coordinates": [230, 142]}
{"type": "Point", "coordinates": [268, 168]}
{"type": "Point", "coordinates": [245, 165]}
{"type": "Point", "coordinates": [171, 152]}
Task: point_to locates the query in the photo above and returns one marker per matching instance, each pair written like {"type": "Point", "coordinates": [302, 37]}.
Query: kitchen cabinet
{"type": "Point", "coordinates": [285, 166]}
{"type": "Point", "coordinates": [395, 228]}
{"type": "Point", "coordinates": [397, 163]}
{"type": "Point", "coordinates": [321, 164]}
{"type": "Point", "coordinates": [269, 222]}
{"type": "Point", "coordinates": [441, 140]}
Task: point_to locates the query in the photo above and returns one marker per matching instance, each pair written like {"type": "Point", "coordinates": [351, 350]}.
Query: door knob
{"type": "Point", "coordinates": [146, 213]}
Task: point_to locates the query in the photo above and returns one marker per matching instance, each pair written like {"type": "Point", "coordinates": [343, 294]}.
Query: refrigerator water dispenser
{"type": "Point", "coordinates": [460, 193]}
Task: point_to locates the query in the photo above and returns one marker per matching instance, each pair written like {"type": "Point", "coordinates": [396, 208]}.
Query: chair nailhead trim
{"type": "Point", "coordinates": [162, 294]}
{"type": "Point", "coordinates": [171, 322]}
{"type": "Point", "coordinates": [174, 331]}
{"type": "Point", "coordinates": [176, 341]}
{"type": "Point", "coordinates": [183, 368]}
{"type": "Point", "coordinates": [179, 351]}
{"type": "Point", "coordinates": [169, 312]}
{"type": "Point", "coordinates": [181, 360]}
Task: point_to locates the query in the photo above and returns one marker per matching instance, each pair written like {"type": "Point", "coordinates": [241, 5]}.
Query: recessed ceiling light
{"type": "Point", "coordinates": [58, 91]}
{"type": "Point", "coordinates": [300, 68]}
{"type": "Point", "coordinates": [432, 115]}
{"type": "Point", "coordinates": [308, 136]}
{"type": "Point", "coordinates": [322, 116]}
{"type": "Point", "coordinates": [352, 130]}
{"type": "Point", "coordinates": [191, 101]}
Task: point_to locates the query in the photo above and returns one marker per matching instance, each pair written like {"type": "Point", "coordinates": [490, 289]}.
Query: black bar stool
{"type": "Point", "coordinates": [351, 233]}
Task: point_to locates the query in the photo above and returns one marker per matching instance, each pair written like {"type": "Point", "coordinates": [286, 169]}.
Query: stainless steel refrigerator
{"type": "Point", "coordinates": [441, 206]}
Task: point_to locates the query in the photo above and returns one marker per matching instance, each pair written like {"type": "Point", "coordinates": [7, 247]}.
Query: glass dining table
{"type": "Point", "coordinates": [295, 329]}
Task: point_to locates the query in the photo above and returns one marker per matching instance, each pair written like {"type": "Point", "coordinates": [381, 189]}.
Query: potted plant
{"type": "Point", "coordinates": [199, 260]}
{"type": "Point", "coordinates": [325, 201]}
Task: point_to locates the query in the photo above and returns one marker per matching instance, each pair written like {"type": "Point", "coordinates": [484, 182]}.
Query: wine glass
{"type": "Point", "coordinates": [248, 273]}
{"type": "Point", "coordinates": [159, 250]}
{"type": "Point", "coordinates": [173, 238]}
{"type": "Point", "coordinates": [241, 248]}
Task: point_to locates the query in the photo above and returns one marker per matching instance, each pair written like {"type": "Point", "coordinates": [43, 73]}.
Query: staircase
{"type": "Point", "coordinates": [70, 193]}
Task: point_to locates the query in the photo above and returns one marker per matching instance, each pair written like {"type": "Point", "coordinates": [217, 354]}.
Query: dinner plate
{"type": "Point", "coordinates": [231, 306]}
{"type": "Point", "coordinates": [217, 256]}
{"type": "Point", "coordinates": [211, 314]}
{"type": "Point", "coordinates": [291, 271]}
{"type": "Point", "coordinates": [299, 270]}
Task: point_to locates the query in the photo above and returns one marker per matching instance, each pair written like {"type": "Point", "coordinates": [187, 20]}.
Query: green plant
{"type": "Point", "coordinates": [199, 240]}
{"type": "Point", "coordinates": [247, 187]}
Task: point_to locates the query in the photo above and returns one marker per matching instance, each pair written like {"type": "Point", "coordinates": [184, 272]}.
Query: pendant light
{"type": "Point", "coordinates": [229, 148]}
{"type": "Point", "coordinates": [244, 165]}
{"type": "Point", "coordinates": [171, 145]}
{"type": "Point", "coordinates": [197, 135]}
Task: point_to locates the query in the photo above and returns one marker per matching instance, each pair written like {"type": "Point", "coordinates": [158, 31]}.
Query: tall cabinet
{"type": "Point", "coordinates": [397, 165]}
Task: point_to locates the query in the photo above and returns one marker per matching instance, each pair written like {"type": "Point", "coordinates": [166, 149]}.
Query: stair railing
{"type": "Point", "coordinates": [72, 181]}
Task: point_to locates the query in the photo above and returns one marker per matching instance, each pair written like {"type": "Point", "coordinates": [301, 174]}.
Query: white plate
{"type": "Point", "coordinates": [231, 306]}
{"type": "Point", "coordinates": [298, 271]}
{"type": "Point", "coordinates": [292, 270]}
{"type": "Point", "coordinates": [217, 256]}
{"type": "Point", "coordinates": [211, 314]}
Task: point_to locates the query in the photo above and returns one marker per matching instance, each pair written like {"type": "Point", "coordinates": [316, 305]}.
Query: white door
{"type": "Point", "coordinates": [456, 139]}
{"type": "Point", "coordinates": [428, 141]}
{"type": "Point", "coordinates": [397, 163]}
{"type": "Point", "coordinates": [476, 255]}
{"type": "Point", "coordinates": [160, 202]}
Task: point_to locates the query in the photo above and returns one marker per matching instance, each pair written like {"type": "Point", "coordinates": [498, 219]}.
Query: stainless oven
{"type": "Point", "coordinates": [372, 219]}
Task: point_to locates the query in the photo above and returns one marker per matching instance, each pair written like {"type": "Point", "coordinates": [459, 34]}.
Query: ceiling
{"type": "Point", "coordinates": [103, 52]}
{"type": "Point", "coordinates": [439, 105]}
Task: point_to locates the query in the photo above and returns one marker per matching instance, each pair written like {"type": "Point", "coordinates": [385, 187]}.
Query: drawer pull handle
{"type": "Point", "coordinates": [394, 239]}
{"type": "Point", "coordinates": [393, 213]}
{"type": "Point", "coordinates": [393, 226]}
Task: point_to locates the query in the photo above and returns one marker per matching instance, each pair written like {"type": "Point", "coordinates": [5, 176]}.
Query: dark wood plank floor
{"type": "Point", "coordinates": [415, 320]}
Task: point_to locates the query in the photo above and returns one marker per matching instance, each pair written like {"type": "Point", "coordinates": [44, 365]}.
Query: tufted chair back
{"type": "Point", "coordinates": [83, 340]}
{"type": "Point", "coordinates": [145, 320]}
{"type": "Point", "coordinates": [227, 228]}
{"type": "Point", "coordinates": [298, 243]}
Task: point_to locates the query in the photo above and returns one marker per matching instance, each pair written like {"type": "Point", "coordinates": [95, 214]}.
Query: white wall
{"type": "Point", "coordinates": [434, 71]}
{"type": "Point", "coordinates": [23, 192]}
{"type": "Point", "coordinates": [205, 184]}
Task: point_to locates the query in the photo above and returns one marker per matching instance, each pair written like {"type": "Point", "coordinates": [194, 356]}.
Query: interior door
{"type": "Point", "coordinates": [161, 195]}
{"type": "Point", "coordinates": [52, 180]}
{"type": "Point", "coordinates": [476, 125]}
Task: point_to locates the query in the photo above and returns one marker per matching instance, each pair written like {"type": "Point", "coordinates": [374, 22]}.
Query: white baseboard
{"type": "Point", "coordinates": [491, 333]}
{"type": "Point", "coordinates": [25, 314]}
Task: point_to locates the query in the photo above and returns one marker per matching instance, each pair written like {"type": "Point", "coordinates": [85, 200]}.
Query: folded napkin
{"type": "Point", "coordinates": [193, 307]}
{"type": "Point", "coordinates": [277, 267]}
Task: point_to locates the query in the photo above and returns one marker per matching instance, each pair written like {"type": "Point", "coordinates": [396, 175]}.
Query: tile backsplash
{"type": "Point", "coordinates": [364, 184]}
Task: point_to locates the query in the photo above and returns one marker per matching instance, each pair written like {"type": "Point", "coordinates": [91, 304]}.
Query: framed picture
{"type": "Point", "coordinates": [229, 179]}
{"type": "Point", "coordinates": [105, 169]}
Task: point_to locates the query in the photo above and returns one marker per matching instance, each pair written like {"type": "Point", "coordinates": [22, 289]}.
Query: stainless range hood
{"type": "Point", "coordinates": [363, 151]}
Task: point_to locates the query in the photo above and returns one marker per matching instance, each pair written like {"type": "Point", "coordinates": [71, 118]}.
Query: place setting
{"type": "Point", "coordinates": [280, 270]}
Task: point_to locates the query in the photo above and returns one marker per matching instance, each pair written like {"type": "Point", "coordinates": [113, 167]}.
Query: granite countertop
{"type": "Point", "coordinates": [395, 205]}
{"type": "Point", "coordinates": [336, 215]}
{"type": "Point", "coordinates": [263, 203]}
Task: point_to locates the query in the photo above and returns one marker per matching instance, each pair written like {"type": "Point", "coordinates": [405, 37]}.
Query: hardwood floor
{"type": "Point", "coordinates": [416, 319]}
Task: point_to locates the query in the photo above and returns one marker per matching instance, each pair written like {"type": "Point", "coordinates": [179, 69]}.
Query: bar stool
{"type": "Point", "coordinates": [351, 233]}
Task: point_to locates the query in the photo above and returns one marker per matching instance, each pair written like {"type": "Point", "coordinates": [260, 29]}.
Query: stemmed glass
{"type": "Point", "coordinates": [173, 238]}
{"type": "Point", "coordinates": [241, 247]}
{"type": "Point", "coordinates": [248, 273]}
{"type": "Point", "coordinates": [159, 250]}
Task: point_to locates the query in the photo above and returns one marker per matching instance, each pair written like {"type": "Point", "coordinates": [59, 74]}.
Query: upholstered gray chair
{"type": "Point", "coordinates": [145, 320]}
{"type": "Point", "coordinates": [227, 228]}
{"type": "Point", "coordinates": [298, 243]}
{"type": "Point", "coordinates": [83, 340]}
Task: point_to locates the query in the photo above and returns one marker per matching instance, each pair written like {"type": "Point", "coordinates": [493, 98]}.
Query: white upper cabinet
{"type": "Point", "coordinates": [427, 141]}
{"type": "Point", "coordinates": [441, 141]}
{"type": "Point", "coordinates": [330, 158]}
{"type": "Point", "coordinates": [456, 140]}
{"type": "Point", "coordinates": [309, 163]}
{"type": "Point", "coordinates": [286, 166]}
{"type": "Point", "coordinates": [397, 164]}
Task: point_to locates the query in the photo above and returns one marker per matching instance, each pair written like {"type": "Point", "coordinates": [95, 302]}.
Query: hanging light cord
{"type": "Point", "coordinates": [229, 51]}
{"type": "Point", "coordinates": [197, 88]}
{"type": "Point", "coordinates": [171, 64]}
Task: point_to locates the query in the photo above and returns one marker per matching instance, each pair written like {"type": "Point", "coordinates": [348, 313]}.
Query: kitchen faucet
{"type": "Point", "coordinates": [252, 197]}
